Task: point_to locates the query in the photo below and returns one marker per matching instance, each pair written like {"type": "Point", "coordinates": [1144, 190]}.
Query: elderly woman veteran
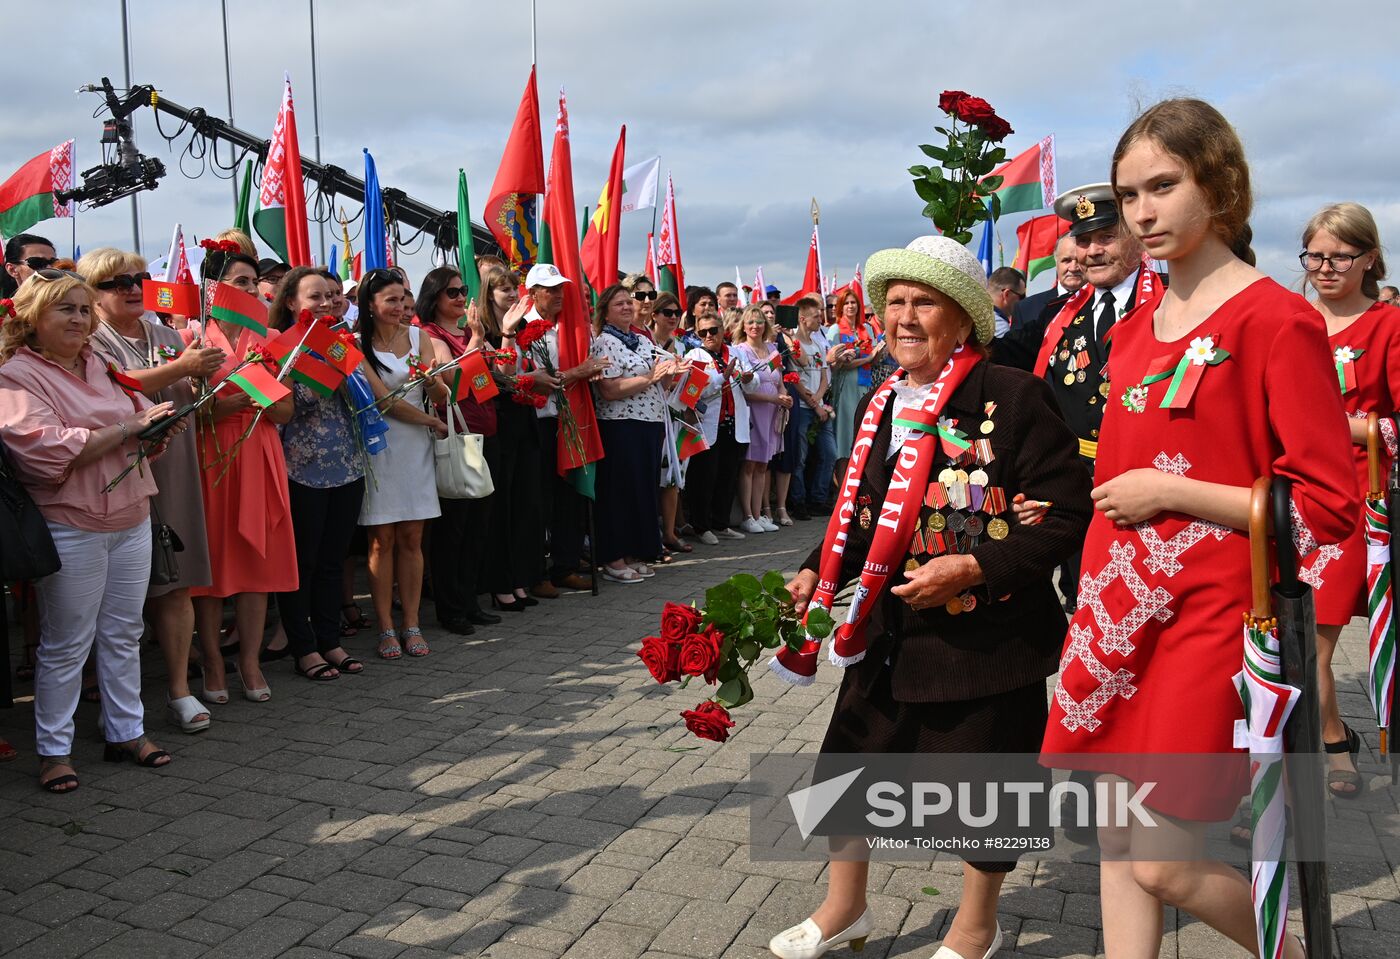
{"type": "Point", "coordinates": [70, 429]}
{"type": "Point", "coordinates": [966, 627]}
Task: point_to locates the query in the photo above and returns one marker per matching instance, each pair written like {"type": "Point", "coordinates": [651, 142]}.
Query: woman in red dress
{"type": "Point", "coordinates": [1342, 257]}
{"type": "Point", "coordinates": [1148, 663]}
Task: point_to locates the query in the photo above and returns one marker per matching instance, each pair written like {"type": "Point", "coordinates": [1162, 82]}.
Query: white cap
{"type": "Point", "coordinates": [348, 284]}
{"type": "Point", "coordinates": [544, 274]}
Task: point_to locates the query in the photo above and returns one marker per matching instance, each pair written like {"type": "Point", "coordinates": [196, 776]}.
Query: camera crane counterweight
{"type": "Point", "coordinates": [130, 172]}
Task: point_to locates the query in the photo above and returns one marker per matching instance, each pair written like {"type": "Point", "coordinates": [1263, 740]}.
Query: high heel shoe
{"type": "Point", "coordinates": [527, 601]}
{"type": "Point", "coordinates": [804, 940]}
{"type": "Point", "coordinates": [514, 606]}
{"type": "Point", "coordinates": [120, 752]}
{"type": "Point", "coordinates": [219, 697]}
{"type": "Point", "coordinates": [945, 953]}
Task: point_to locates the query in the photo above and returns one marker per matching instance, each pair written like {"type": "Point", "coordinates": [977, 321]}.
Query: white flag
{"type": "Point", "coordinates": [640, 184]}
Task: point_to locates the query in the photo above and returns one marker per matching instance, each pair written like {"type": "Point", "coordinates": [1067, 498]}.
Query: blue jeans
{"type": "Point", "coordinates": [823, 453]}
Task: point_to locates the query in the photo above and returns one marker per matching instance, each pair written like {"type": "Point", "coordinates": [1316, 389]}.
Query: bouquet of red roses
{"type": "Point", "coordinates": [719, 644]}
{"type": "Point", "coordinates": [958, 193]}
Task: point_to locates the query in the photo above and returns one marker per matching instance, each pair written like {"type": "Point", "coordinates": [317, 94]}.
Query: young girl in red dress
{"type": "Point", "coordinates": [1342, 257]}
{"type": "Point", "coordinates": [1148, 663]}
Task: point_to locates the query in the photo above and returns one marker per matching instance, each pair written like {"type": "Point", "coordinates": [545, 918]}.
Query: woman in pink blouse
{"type": "Point", "coordinates": [70, 430]}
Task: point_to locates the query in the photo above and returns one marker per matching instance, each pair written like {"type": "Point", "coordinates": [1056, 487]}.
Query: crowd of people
{"type": "Point", "coordinates": [719, 421]}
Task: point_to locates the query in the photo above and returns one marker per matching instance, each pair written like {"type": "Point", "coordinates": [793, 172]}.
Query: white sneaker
{"type": "Point", "coordinates": [804, 940]}
{"type": "Point", "coordinates": [768, 525]}
{"type": "Point", "coordinates": [945, 953]}
{"type": "Point", "coordinates": [751, 525]}
{"type": "Point", "coordinates": [709, 538]}
{"type": "Point", "coordinates": [730, 533]}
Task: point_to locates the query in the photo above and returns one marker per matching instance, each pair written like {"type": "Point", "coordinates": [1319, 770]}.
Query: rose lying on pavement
{"type": "Point", "coordinates": [709, 720]}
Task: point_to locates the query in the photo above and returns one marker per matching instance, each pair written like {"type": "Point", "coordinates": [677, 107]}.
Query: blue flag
{"type": "Point", "coordinates": [984, 249]}
{"type": "Point", "coordinates": [376, 240]}
{"type": "Point", "coordinates": [333, 261]}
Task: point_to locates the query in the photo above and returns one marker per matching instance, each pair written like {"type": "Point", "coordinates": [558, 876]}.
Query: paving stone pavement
{"type": "Point", "coordinates": [524, 793]}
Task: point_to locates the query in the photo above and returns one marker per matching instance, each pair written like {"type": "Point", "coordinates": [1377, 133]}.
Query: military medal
{"type": "Point", "coordinates": [973, 526]}
{"type": "Point", "coordinates": [1104, 389]}
{"type": "Point", "coordinates": [983, 450]}
{"type": "Point", "coordinates": [987, 426]}
{"type": "Point", "coordinates": [1069, 379]}
{"type": "Point", "coordinates": [996, 501]}
{"type": "Point", "coordinates": [954, 606]}
{"type": "Point", "coordinates": [865, 515]}
{"type": "Point", "coordinates": [969, 602]}
{"type": "Point", "coordinates": [1081, 376]}
{"type": "Point", "coordinates": [957, 522]}
{"type": "Point", "coordinates": [911, 565]}
{"type": "Point", "coordinates": [998, 529]}
{"type": "Point", "coordinates": [937, 522]}
{"type": "Point", "coordinates": [1064, 355]}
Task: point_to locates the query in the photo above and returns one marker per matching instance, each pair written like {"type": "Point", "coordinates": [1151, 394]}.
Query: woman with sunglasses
{"type": "Point", "coordinates": [247, 509]}
{"type": "Point", "coordinates": [513, 553]}
{"type": "Point", "coordinates": [403, 493]}
{"type": "Point", "coordinates": [459, 535]}
{"type": "Point", "coordinates": [325, 486]}
{"type": "Point", "coordinates": [631, 415]}
{"type": "Point", "coordinates": [157, 357]}
{"type": "Point", "coordinates": [768, 400]}
{"type": "Point", "coordinates": [713, 475]}
{"type": "Point", "coordinates": [664, 319]}
{"type": "Point", "coordinates": [70, 430]}
{"type": "Point", "coordinates": [644, 292]}
{"type": "Point", "coordinates": [1343, 264]}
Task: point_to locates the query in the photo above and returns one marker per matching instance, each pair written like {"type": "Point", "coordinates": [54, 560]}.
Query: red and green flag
{"type": "Point", "coordinates": [1036, 239]}
{"type": "Point", "coordinates": [315, 374]}
{"type": "Point", "coordinates": [689, 441]}
{"type": "Point", "coordinates": [128, 383]}
{"type": "Point", "coordinates": [232, 305]}
{"type": "Point", "coordinates": [261, 386]}
{"type": "Point", "coordinates": [281, 216]}
{"type": "Point", "coordinates": [179, 298]}
{"type": "Point", "coordinates": [1028, 180]}
{"type": "Point", "coordinates": [670, 273]}
{"type": "Point", "coordinates": [693, 386]}
{"type": "Point", "coordinates": [28, 196]}
{"type": "Point", "coordinates": [474, 378]}
{"type": "Point", "coordinates": [599, 249]}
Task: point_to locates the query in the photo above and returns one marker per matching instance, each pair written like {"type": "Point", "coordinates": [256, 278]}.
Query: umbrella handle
{"type": "Point", "coordinates": [1286, 552]}
{"type": "Point", "coordinates": [1373, 455]}
{"type": "Point", "coordinates": [1259, 548]}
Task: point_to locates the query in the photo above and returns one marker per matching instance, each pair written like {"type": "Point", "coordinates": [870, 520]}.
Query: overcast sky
{"type": "Point", "coordinates": [755, 107]}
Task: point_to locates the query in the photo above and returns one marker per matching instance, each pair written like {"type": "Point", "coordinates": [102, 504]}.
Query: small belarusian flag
{"type": "Point", "coordinates": [260, 385]}
{"type": "Point", "coordinates": [692, 387]}
{"type": "Point", "coordinates": [128, 383]}
{"type": "Point", "coordinates": [162, 297]}
{"type": "Point", "coordinates": [232, 305]}
{"type": "Point", "coordinates": [1036, 239]}
{"type": "Point", "coordinates": [28, 196]}
{"type": "Point", "coordinates": [775, 360]}
{"type": "Point", "coordinates": [317, 375]}
{"type": "Point", "coordinates": [689, 441]}
{"type": "Point", "coordinates": [473, 376]}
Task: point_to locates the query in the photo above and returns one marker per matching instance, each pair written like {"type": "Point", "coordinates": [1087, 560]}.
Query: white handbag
{"type": "Point", "coordinates": [460, 465]}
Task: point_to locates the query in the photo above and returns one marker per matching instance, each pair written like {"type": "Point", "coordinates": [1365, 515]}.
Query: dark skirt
{"type": "Point", "coordinates": [628, 499]}
{"type": "Point", "coordinates": [873, 721]}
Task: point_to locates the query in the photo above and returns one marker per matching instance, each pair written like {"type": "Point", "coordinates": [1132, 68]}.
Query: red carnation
{"type": "Point", "coordinates": [950, 99]}
{"type": "Point", "coordinates": [974, 110]}
{"type": "Point", "coordinates": [662, 659]}
{"type": "Point", "coordinates": [532, 332]}
{"type": "Point", "coordinates": [701, 654]}
{"type": "Point", "coordinates": [995, 129]}
{"type": "Point", "coordinates": [678, 622]}
{"type": "Point", "coordinates": [792, 378]}
{"type": "Point", "coordinates": [709, 721]}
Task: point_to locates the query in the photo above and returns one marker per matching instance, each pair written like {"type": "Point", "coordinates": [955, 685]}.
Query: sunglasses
{"type": "Point", "coordinates": [643, 294]}
{"type": "Point", "coordinates": [669, 312]}
{"type": "Point", "coordinates": [709, 331]}
{"type": "Point", "coordinates": [456, 292]}
{"type": "Point", "coordinates": [36, 262]}
{"type": "Point", "coordinates": [45, 274]}
{"type": "Point", "coordinates": [123, 281]}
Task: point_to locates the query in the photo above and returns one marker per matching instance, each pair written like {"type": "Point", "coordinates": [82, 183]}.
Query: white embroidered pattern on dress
{"type": "Point", "coordinates": [1150, 603]}
{"type": "Point", "coordinates": [1312, 575]}
{"type": "Point", "coordinates": [1303, 537]}
{"type": "Point", "coordinates": [1176, 465]}
{"type": "Point", "coordinates": [1162, 556]}
{"type": "Point", "coordinates": [1082, 714]}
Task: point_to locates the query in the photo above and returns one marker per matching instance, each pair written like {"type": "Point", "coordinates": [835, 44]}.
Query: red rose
{"type": "Point", "coordinates": [662, 659]}
{"type": "Point", "coordinates": [700, 654]}
{"type": "Point", "coordinates": [995, 129]}
{"type": "Point", "coordinates": [950, 99]}
{"type": "Point", "coordinates": [678, 622]}
{"type": "Point", "coordinates": [974, 110]}
{"type": "Point", "coordinates": [709, 721]}
{"type": "Point", "coordinates": [791, 378]}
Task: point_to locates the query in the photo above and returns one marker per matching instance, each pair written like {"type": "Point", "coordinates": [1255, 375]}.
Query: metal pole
{"type": "Point", "coordinates": [126, 62]}
{"type": "Point", "coordinates": [228, 88]}
{"type": "Point", "coordinates": [534, 53]}
{"type": "Point", "coordinates": [316, 116]}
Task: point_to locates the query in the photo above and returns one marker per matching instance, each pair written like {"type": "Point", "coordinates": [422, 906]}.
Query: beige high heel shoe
{"type": "Point", "coordinates": [945, 953]}
{"type": "Point", "coordinates": [804, 940]}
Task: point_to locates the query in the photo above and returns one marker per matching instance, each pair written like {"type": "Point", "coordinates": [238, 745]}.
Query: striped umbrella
{"type": "Point", "coordinates": [1380, 595]}
{"type": "Point", "coordinates": [1268, 700]}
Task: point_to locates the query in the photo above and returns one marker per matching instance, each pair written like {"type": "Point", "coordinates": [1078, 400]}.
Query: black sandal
{"type": "Point", "coordinates": [1345, 777]}
{"type": "Point", "coordinates": [349, 665]}
{"type": "Point", "coordinates": [58, 784]}
{"type": "Point", "coordinates": [120, 752]}
{"type": "Point", "coordinates": [317, 673]}
{"type": "Point", "coordinates": [353, 624]}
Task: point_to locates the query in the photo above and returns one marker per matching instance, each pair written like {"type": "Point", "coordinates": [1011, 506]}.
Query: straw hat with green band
{"type": "Point", "coordinates": [941, 263]}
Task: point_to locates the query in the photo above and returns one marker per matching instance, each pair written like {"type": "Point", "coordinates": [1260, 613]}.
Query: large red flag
{"type": "Point", "coordinates": [812, 276]}
{"type": "Point", "coordinates": [574, 327]}
{"type": "Point", "coordinates": [281, 221]}
{"type": "Point", "coordinates": [671, 275]}
{"type": "Point", "coordinates": [599, 252]}
{"type": "Point", "coordinates": [510, 206]}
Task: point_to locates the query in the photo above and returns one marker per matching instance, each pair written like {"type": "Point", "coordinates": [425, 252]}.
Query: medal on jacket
{"type": "Point", "coordinates": [865, 516]}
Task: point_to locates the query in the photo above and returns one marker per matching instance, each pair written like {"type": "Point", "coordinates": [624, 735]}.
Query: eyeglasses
{"type": "Point", "coordinates": [123, 281]}
{"type": "Point", "coordinates": [456, 292]}
{"type": "Point", "coordinates": [1341, 262]}
{"type": "Point", "coordinates": [711, 331]}
{"type": "Point", "coordinates": [36, 263]}
{"type": "Point", "coordinates": [643, 295]}
{"type": "Point", "coordinates": [670, 312]}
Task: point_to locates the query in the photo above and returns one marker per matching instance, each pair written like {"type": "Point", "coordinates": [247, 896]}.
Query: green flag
{"type": "Point", "coordinates": [245, 195]}
{"type": "Point", "coordinates": [581, 479]}
{"type": "Point", "coordinates": [466, 243]}
{"type": "Point", "coordinates": [546, 244]}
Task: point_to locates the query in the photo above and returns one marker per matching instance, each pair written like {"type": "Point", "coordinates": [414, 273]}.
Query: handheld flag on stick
{"type": "Point", "coordinates": [261, 386]}
{"type": "Point", "coordinates": [181, 298]}
{"type": "Point", "coordinates": [232, 305]}
{"type": "Point", "coordinates": [510, 206]}
{"type": "Point", "coordinates": [474, 378]}
{"type": "Point", "coordinates": [1035, 244]}
{"type": "Point", "coordinates": [694, 384]}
